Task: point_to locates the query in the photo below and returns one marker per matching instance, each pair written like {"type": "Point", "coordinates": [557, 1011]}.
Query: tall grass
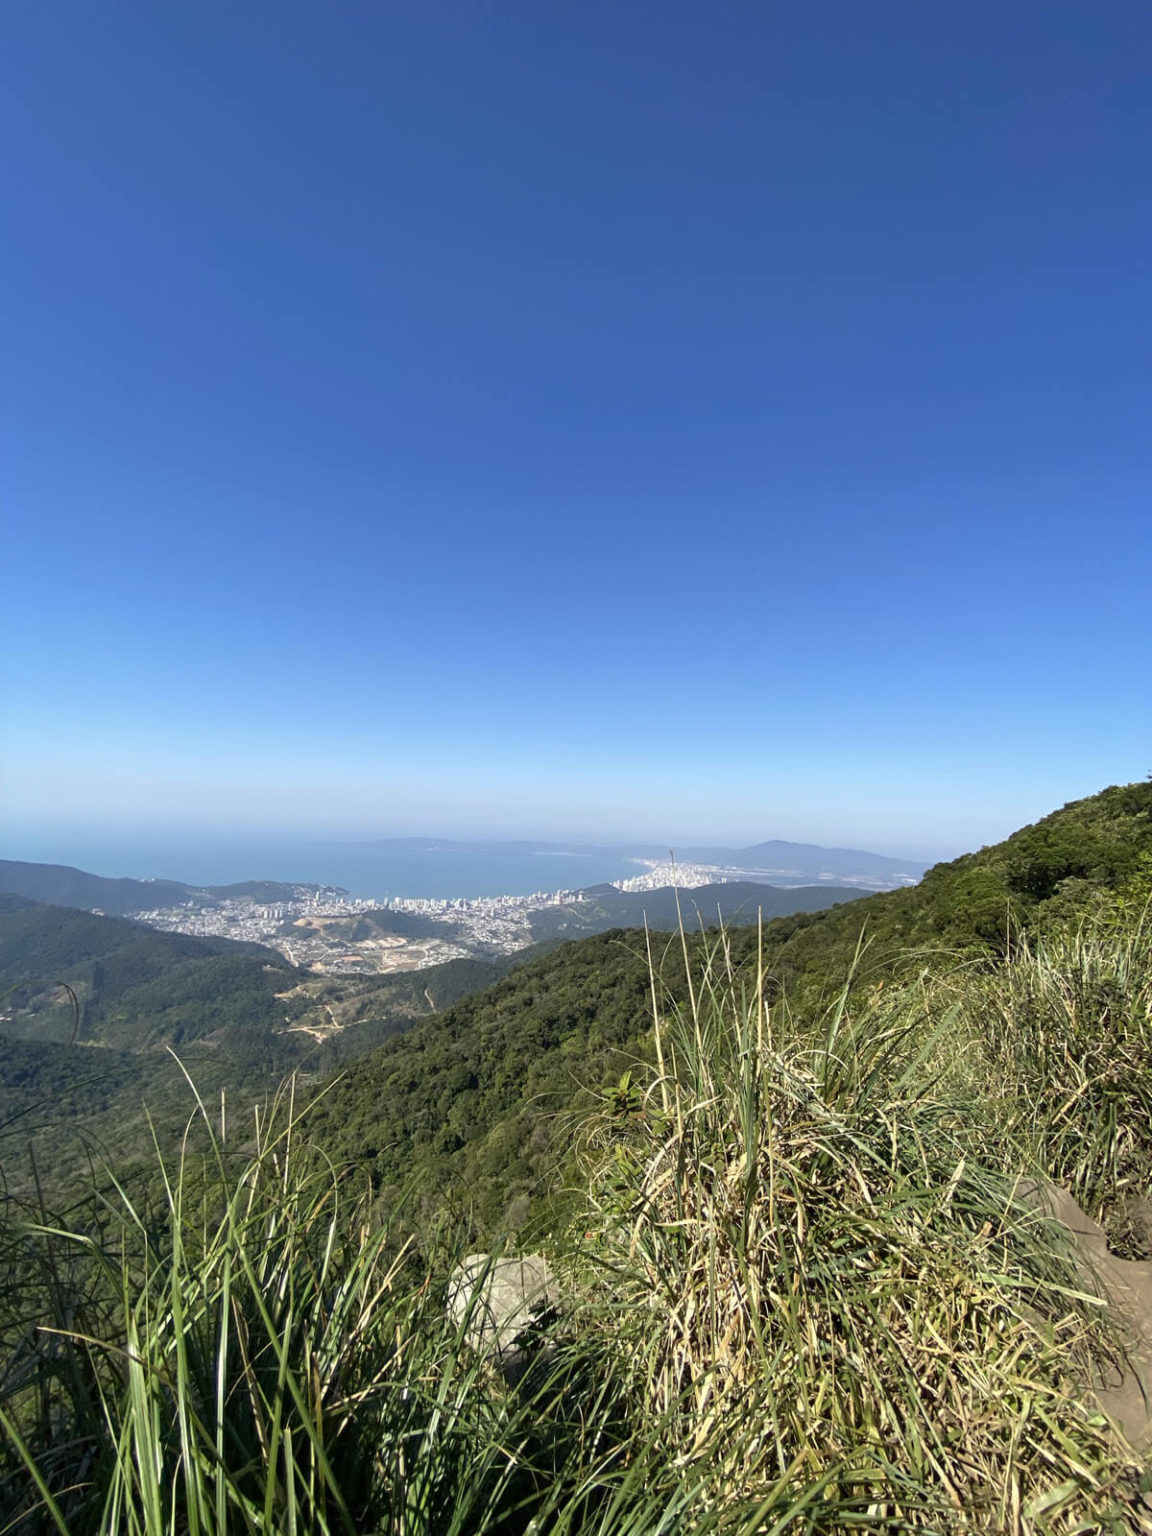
{"type": "Point", "coordinates": [262, 1359]}
{"type": "Point", "coordinates": [1064, 1030]}
{"type": "Point", "coordinates": [808, 1250]}
{"type": "Point", "coordinates": [803, 1296]}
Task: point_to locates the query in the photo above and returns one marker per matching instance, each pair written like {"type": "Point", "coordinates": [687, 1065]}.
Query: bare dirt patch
{"type": "Point", "coordinates": [1123, 1388]}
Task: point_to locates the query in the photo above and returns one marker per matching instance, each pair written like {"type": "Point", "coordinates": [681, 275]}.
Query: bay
{"type": "Point", "coordinates": [408, 867]}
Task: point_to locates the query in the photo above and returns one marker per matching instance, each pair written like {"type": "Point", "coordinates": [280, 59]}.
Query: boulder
{"type": "Point", "coordinates": [503, 1304]}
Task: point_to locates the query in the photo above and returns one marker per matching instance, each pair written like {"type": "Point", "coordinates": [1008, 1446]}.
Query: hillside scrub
{"type": "Point", "coordinates": [816, 1226]}
{"type": "Point", "coordinates": [441, 1074]}
{"type": "Point", "coordinates": [475, 1098]}
{"type": "Point", "coordinates": [1063, 1029]}
{"type": "Point", "coordinates": [805, 1291]}
{"type": "Point", "coordinates": [258, 1356]}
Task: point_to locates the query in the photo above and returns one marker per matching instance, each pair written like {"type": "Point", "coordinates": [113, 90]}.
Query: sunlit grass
{"type": "Point", "coordinates": [264, 1360]}
{"type": "Point", "coordinates": [802, 1295]}
{"type": "Point", "coordinates": [1064, 1030]}
{"type": "Point", "coordinates": [812, 1228]}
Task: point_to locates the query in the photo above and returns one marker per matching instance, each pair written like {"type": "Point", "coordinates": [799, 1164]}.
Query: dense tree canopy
{"type": "Point", "coordinates": [478, 1102]}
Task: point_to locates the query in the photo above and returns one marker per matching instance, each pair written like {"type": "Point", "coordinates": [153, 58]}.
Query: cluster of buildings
{"type": "Point", "coordinates": [488, 923]}
{"type": "Point", "coordinates": [663, 872]}
{"type": "Point", "coordinates": [242, 917]}
{"type": "Point", "coordinates": [307, 930]}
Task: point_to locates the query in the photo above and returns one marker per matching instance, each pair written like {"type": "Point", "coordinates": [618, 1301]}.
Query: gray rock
{"type": "Point", "coordinates": [500, 1303]}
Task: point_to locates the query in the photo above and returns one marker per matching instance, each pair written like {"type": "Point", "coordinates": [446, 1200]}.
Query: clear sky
{"type": "Point", "coordinates": [666, 419]}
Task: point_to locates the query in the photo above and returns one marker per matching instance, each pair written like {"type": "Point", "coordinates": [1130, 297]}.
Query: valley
{"type": "Point", "coordinates": [814, 1060]}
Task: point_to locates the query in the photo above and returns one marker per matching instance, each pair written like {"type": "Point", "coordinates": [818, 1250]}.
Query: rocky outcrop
{"type": "Point", "coordinates": [504, 1306]}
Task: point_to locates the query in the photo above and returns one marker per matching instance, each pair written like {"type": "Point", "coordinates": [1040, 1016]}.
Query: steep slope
{"type": "Point", "coordinates": [61, 885]}
{"type": "Point", "coordinates": [475, 1101]}
{"type": "Point", "coordinates": [467, 1102]}
{"type": "Point", "coordinates": [1042, 874]}
{"type": "Point", "coordinates": [92, 1007]}
{"type": "Point", "coordinates": [602, 907]}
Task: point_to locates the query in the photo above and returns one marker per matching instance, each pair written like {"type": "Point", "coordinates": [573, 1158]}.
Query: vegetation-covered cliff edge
{"type": "Point", "coordinates": [809, 1282]}
{"type": "Point", "coordinates": [474, 1102]}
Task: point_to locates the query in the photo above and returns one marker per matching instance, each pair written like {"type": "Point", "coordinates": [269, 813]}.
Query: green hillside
{"type": "Point", "coordinates": [602, 907]}
{"type": "Point", "coordinates": [135, 986]}
{"type": "Point", "coordinates": [825, 1270]}
{"type": "Point", "coordinates": [139, 988]}
{"type": "Point", "coordinates": [91, 1008]}
{"type": "Point", "coordinates": [475, 1102]}
{"type": "Point", "coordinates": [61, 885]}
{"type": "Point", "coordinates": [469, 1100]}
{"type": "Point", "coordinates": [474, 1099]}
{"type": "Point", "coordinates": [977, 904]}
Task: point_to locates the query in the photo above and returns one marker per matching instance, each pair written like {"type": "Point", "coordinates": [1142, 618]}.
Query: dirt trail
{"type": "Point", "coordinates": [1125, 1392]}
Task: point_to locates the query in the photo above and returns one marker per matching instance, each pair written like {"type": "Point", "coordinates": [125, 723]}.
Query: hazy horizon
{"type": "Point", "coordinates": [382, 867]}
{"type": "Point", "coordinates": [159, 851]}
{"type": "Point", "coordinates": [914, 824]}
{"type": "Point", "coordinates": [876, 833]}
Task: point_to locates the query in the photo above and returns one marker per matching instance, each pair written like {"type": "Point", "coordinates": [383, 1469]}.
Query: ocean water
{"type": "Point", "coordinates": [373, 870]}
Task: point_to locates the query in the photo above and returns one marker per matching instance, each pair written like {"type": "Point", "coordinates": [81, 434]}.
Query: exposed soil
{"type": "Point", "coordinates": [1123, 1389]}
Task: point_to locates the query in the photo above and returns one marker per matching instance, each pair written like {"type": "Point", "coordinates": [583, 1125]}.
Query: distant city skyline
{"type": "Point", "coordinates": [656, 421]}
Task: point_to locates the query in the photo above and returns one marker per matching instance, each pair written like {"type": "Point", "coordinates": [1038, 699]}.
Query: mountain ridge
{"type": "Point", "coordinates": [476, 1098]}
{"type": "Point", "coordinates": [63, 885]}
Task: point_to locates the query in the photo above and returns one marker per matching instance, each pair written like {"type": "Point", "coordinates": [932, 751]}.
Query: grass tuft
{"type": "Point", "coordinates": [803, 1293]}
{"type": "Point", "coordinates": [808, 1252]}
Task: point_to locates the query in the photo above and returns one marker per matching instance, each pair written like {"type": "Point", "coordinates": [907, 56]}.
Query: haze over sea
{"type": "Point", "coordinates": [373, 869]}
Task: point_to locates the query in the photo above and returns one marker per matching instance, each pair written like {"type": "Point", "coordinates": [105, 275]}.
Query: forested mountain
{"type": "Point", "coordinates": [918, 1281]}
{"type": "Point", "coordinates": [477, 1101]}
{"type": "Point", "coordinates": [809, 860]}
{"type": "Point", "coordinates": [138, 988]}
{"type": "Point", "coordinates": [92, 1007]}
{"type": "Point", "coordinates": [602, 907]}
{"type": "Point", "coordinates": [61, 885]}
{"type": "Point", "coordinates": [135, 986]}
{"type": "Point", "coordinates": [472, 1103]}
{"type": "Point", "coordinates": [467, 1086]}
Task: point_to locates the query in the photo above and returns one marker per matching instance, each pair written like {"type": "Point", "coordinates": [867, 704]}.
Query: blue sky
{"type": "Point", "coordinates": [668, 420]}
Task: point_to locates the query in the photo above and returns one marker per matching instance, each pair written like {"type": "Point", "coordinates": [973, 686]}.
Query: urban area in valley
{"type": "Point", "coordinates": [324, 929]}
